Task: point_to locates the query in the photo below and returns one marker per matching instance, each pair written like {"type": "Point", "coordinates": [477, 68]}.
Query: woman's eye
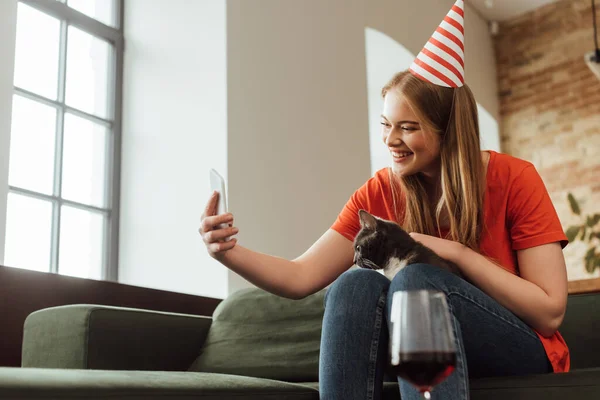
{"type": "Point", "coordinates": [385, 124]}
{"type": "Point", "coordinates": [408, 129]}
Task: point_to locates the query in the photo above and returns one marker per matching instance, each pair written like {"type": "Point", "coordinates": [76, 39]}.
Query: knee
{"type": "Point", "coordinates": [356, 285]}
{"type": "Point", "coordinates": [416, 277]}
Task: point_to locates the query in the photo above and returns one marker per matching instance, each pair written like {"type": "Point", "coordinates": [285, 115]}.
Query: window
{"type": "Point", "coordinates": [64, 165]}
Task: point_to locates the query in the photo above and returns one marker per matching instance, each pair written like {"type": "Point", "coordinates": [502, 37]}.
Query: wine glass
{"type": "Point", "coordinates": [422, 345]}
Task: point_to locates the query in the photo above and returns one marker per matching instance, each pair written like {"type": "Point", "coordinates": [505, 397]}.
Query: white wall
{"type": "Point", "coordinates": [489, 130]}
{"type": "Point", "coordinates": [8, 27]}
{"type": "Point", "coordinates": [298, 142]}
{"type": "Point", "coordinates": [385, 57]}
{"type": "Point", "coordinates": [174, 130]}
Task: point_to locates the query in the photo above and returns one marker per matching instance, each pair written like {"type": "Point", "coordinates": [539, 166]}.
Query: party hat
{"type": "Point", "coordinates": [442, 60]}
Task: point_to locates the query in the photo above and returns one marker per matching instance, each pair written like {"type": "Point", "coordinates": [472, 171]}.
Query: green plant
{"type": "Point", "coordinates": [585, 232]}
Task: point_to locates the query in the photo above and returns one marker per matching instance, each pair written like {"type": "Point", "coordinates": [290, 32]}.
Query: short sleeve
{"type": "Point", "coordinates": [532, 218]}
{"type": "Point", "coordinates": [374, 196]}
{"type": "Point", "coordinates": [347, 222]}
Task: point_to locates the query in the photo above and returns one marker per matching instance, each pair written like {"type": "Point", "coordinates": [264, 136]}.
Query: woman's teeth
{"type": "Point", "coordinates": [400, 155]}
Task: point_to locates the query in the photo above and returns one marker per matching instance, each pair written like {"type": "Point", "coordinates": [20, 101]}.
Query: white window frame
{"type": "Point", "coordinates": [72, 17]}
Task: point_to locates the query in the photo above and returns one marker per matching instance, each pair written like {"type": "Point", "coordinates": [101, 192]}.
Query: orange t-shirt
{"type": "Point", "coordinates": [518, 214]}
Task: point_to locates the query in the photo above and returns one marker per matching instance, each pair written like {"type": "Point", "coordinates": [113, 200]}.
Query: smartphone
{"type": "Point", "coordinates": [218, 183]}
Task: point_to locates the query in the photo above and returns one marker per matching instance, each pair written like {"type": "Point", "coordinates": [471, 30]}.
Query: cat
{"type": "Point", "coordinates": [384, 245]}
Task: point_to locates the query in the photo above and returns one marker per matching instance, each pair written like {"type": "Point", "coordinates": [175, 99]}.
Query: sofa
{"type": "Point", "coordinates": [255, 346]}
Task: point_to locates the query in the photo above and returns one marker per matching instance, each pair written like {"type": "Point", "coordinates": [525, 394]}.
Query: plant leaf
{"type": "Point", "coordinates": [590, 260]}
{"type": "Point", "coordinates": [592, 263]}
{"type": "Point", "coordinates": [597, 263]}
{"type": "Point", "coordinates": [583, 232]}
{"type": "Point", "coordinates": [593, 220]}
{"type": "Point", "coordinates": [574, 205]}
{"type": "Point", "coordinates": [590, 254]}
{"type": "Point", "coordinates": [589, 266]}
{"type": "Point", "coordinates": [572, 232]}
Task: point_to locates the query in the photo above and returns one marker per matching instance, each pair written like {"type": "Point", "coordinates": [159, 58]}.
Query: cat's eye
{"type": "Point", "coordinates": [357, 248]}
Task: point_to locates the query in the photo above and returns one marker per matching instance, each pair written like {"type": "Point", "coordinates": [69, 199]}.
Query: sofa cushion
{"type": "Point", "coordinates": [86, 336]}
{"type": "Point", "coordinates": [255, 333]}
{"type": "Point", "coordinates": [50, 384]}
{"type": "Point", "coordinates": [581, 384]}
{"type": "Point", "coordinates": [580, 330]}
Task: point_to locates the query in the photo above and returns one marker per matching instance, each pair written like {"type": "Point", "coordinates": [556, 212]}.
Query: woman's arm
{"type": "Point", "coordinates": [538, 296]}
{"type": "Point", "coordinates": [320, 265]}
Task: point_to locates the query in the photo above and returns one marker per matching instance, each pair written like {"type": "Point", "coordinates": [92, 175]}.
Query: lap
{"type": "Point", "coordinates": [496, 342]}
{"type": "Point", "coordinates": [357, 283]}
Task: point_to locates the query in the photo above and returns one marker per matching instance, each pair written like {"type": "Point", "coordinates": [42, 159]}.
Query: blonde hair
{"type": "Point", "coordinates": [450, 113]}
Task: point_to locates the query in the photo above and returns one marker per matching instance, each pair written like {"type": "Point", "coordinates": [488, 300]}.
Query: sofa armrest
{"type": "Point", "coordinates": [112, 338]}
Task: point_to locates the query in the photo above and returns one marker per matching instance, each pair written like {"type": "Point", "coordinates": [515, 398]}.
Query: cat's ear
{"type": "Point", "coordinates": [367, 220]}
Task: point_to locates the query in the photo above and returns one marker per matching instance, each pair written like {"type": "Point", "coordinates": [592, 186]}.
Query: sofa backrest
{"type": "Point", "coordinates": [581, 330]}
{"type": "Point", "coordinates": [255, 333]}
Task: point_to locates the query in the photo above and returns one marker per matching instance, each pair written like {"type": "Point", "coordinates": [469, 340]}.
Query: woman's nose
{"type": "Point", "coordinates": [393, 138]}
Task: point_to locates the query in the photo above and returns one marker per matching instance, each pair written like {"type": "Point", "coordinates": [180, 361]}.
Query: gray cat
{"type": "Point", "coordinates": [382, 244]}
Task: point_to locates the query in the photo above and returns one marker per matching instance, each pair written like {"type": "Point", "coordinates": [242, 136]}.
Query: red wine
{"type": "Point", "coordinates": [425, 369]}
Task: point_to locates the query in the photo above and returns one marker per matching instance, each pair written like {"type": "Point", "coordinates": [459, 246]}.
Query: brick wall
{"type": "Point", "coordinates": [550, 107]}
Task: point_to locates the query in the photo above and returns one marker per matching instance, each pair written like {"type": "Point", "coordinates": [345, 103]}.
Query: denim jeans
{"type": "Point", "coordinates": [491, 341]}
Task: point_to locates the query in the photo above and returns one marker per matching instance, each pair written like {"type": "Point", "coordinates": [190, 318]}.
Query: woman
{"type": "Point", "coordinates": [487, 212]}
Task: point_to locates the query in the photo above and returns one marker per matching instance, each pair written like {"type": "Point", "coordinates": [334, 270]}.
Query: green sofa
{"type": "Point", "coordinates": [256, 346]}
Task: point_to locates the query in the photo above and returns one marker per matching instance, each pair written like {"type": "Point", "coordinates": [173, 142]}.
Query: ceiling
{"type": "Point", "coordinates": [502, 10]}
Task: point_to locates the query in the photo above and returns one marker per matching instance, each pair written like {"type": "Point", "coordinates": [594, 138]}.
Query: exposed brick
{"type": "Point", "coordinates": [550, 102]}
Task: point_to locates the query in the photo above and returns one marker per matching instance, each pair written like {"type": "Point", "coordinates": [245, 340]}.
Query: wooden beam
{"type": "Point", "coordinates": [584, 286]}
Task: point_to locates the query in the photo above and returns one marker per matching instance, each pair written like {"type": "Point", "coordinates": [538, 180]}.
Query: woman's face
{"type": "Point", "coordinates": [412, 149]}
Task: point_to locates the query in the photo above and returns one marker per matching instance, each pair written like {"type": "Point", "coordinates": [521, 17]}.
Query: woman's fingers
{"type": "Point", "coordinates": [219, 234]}
{"type": "Point", "coordinates": [218, 247]}
{"type": "Point", "coordinates": [217, 238]}
{"type": "Point", "coordinates": [208, 223]}
{"type": "Point", "coordinates": [211, 206]}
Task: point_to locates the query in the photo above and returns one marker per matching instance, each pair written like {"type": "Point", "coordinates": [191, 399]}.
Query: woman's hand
{"type": "Point", "coordinates": [214, 237]}
{"type": "Point", "coordinates": [447, 249]}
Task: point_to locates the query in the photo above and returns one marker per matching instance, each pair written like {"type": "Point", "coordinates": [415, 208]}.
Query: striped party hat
{"type": "Point", "coordinates": [442, 60]}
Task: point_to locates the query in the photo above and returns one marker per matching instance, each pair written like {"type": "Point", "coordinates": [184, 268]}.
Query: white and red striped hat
{"type": "Point", "coordinates": [442, 60]}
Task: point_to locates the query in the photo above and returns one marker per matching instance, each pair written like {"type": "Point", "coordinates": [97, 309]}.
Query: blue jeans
{"type": "Point", "coordinates": [491, 341]}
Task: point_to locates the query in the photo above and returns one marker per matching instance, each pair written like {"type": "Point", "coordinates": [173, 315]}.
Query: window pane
{"type": "Point", "coordinates": [84, 161]}
{"type": "Point", "coordinates": [102, 10]}
{"type": "Point", "coordinates": [81, 243]}
{"type": "Point", "coordinates": [32, 145]}
{"type": "Point", "coordinates": [37, 50]}
{"type": "Point", "coordinates": [88, 68]}
{"type": "Point", "coordinates": [28, 233]}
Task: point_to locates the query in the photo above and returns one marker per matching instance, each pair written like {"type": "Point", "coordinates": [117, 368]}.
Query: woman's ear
{"type": "Point", "coordinates": [367, 220]}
